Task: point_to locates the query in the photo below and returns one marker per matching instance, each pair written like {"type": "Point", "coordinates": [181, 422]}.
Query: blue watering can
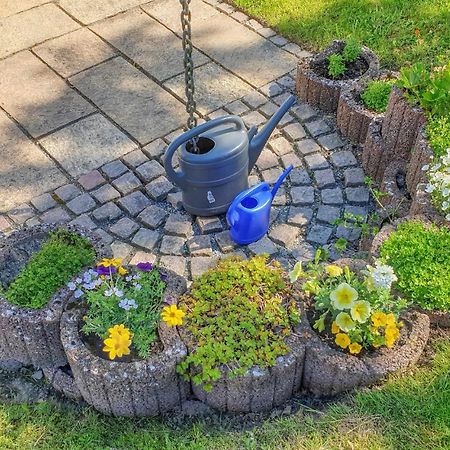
{"type": "Point", "coordinates": [249, 214]}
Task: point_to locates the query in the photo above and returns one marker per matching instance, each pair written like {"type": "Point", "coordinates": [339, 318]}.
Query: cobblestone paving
{"type": "Point", "coordinates": [87, 112]}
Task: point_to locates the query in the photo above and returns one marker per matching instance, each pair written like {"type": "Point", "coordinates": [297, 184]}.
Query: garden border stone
{"type": "Point", "coordinates": [137, 388]}
{"type": "Point", "coordinates": [323, 92]}
{"type": "Point", "coordinates": [328, 371]}
{"type": "Point", "coordinates": [375, 156]}
{"type": "Point", "coordinates": [32, 336]}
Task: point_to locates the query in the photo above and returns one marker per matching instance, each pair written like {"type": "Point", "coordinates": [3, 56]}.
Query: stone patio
{"type": "Point", "coordinates": [91, 94]}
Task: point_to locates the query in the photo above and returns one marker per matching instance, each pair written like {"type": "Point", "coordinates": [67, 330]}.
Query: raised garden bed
{"type": "Point", "coordinates": [32, 336]}
{"type": "Point", "coordinates": [315, 86]}
{"type": "Point", "coordinates": [135, 387]}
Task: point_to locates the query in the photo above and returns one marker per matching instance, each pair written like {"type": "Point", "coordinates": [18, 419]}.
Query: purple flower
{"type": "Point", "coordinates": [145, 266]}
{"type": "Point", "coordinates": [163, 276]}
{"type": "Point", "coordinates": [102, 270]}
{"type": "Point", "coordinates": [78, 293]}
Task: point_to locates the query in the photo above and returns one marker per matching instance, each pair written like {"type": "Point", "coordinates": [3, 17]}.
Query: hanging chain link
{"type": "Point", "coordinates": [188, 64]}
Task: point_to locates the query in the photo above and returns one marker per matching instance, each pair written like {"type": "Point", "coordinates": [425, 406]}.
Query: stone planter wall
{"type": "Point", "coordinates": [138, 388]}
{"type": "Point", "coordinates": [421, 155]}
{"type": "Point", "coordinates": [395, 200]}
{"type": "Point", "coordinates": [32, 336]}
{"type": "Point", "coordinates": [374, 155]}
{"type": "Point", "coordinates": [422, 205]}
{"type": "Point", "coordinates": [323, 92]}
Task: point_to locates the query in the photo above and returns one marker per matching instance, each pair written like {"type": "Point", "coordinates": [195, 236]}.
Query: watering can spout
{"type": "Point", "coordinates": [257, 141]}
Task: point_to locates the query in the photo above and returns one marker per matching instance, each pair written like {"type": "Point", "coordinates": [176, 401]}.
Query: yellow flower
{"type": "Point", "coordinates": [345, 322]}
{"type": "Point", "coordinates": [391, 334]}
{"type": "Point", "coordinates": [374, 330]}
{"type": "Point", "coordinates": [172, 315]}
{"type": "Point", "coordinates": [117, 346]}
{"type": "Point", "coordinates": [354, 348]}
{"type": "Point", "coordinates": [379, 319]}
{"type": "Point", "coordinates": [360, 311]}
{"type": "Point", "coordinates": [335, 328]}
{"type": "Point", "coordinates": [122, 270]}
{"type": "Point", "coordinates": [119, 330]}
{"type": "Point", "coordinates": [296, 272]}
{"type": "Point", "coordinates": [342, 340]}
{"type": "Point", "coordinates": [344, 296]}
{"type": "Point", "coordinates": [106, 262]}
{"type": "Point", "coordinates": [333, 271]}
{"type": "Point", "coordinates": [391, 321]}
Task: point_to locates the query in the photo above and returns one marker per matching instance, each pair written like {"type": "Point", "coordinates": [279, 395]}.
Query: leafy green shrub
{"type": "Point", "coordinates": [376, 95]}
{"type": "Point", "coordinates": [238, 315]}
{"type": "Point", "coordinates": [351, 50]}
{"type": "Point", "coordinates": [336, 66]}
{"type": "Point", "coordinates": [438, 134]}
{"type": "Point", "coordinates": [61, 257]}
{"type": "Point", "coordinates": [421, 259]}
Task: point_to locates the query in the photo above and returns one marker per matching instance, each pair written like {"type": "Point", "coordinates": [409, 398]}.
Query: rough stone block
{"type": "Point", "coordinates": [285, 235]}
{"type": "Point", "coordinates": [153, 216]}
{"type": "Point", "coordinates": [332, 196]}
{"type": "Point", "coordinates": [91, 180]}
{"type": "Point", "coordinates": [124, 227]}
{"type": "Point", "coordinates": [55, 215]}
{"type": "Point", "coordinates": [179, 225]}
{"type": "Point", "coordinates": [150, 170]}
{"type": "Point", "coordinates": [114, 169]}
{"type": "Point", "coordinates": [105, 193]}
{"type": "Point", "coordinates": [134, 203]}
{"type": "Point", "coordinates": [200, 246]}
{"type": "Point", "coordinates": [343, 159]}
{"type": "Point", "coordinates": [328, 214]}
{"type": "Point", "coordinates": [109, 211]}
{"type": "Point", "coordinates": [159, 188]}
{"type": "Point", "coordinates": [172, 245]}
{"type": "Point", "coordinates": [300, 217]}
{"type": "Point", "coordinates": [330, 141]}
{"type": "Point", "coordinates": [146, 238]}
{"type": "Point", "coordinates": [316, 161]}
{"type": "Point", "coordinates": [126, 183]}
{"type": "Point", "coordinates": [209, 224]}
{"type": "Point", "coordinates": [43, 202]}
{"type": "Point", "coordinates": [81, 204]}
{"type": "Point", "coordinates": [224, 241]}
{"type": "Point", "coordinates": [319, 234]}
{"type": "Point", "coordinates": [302, 195]}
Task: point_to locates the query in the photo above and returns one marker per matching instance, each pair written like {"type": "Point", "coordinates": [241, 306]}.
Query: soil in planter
{"type": "Point", "coordinates": [49, 268]}
{"type": "Point", "coordinates": [352, 70]}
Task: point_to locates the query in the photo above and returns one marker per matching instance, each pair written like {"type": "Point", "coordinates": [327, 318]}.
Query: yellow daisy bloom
{"type": "Point", "coordinates": [106, 262]}
{"type": "Point", "coordinates": [119, 330]}
{"type": "Point", "coordinates": [354, 348]}
{"type": "Point", "coordinates": [391, 320]}
{"type": "Point", "coordinates": [344, 296]}
{"type": "Point", "coordinates": [122, 270]}
{"type": "Point", "coordinates": [379, 319]}
{"type": "Point", "coordinates": [335, 328]}
{"type": "Point", "coordinates": [333, 270]}
{"type": "Point", "coordinates": [391, 334]}
{"type": "Point", "coordinates": [360, 311]}
{"type": "Point", "coordinates": [342, 340]}
{"type": "Point", "coordinates": [345, 322]}
{"type": "Point", "coordinates": [117, 346]}
{"type": "Point", "coordinates": [172, 315]}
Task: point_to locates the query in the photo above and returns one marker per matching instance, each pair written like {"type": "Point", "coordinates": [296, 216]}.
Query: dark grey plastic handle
{"type": "Point", "coordinates": [178, 177]}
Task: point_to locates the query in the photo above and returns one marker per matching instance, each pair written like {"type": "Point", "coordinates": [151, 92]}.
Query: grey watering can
{"type": "Point", "coordinates": [212, 175]}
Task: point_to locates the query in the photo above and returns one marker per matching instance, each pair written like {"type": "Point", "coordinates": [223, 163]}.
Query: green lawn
{"type": "Point", "coordinates": [400, 31]}
{"type": "Point", "coordinates": [409, 412]}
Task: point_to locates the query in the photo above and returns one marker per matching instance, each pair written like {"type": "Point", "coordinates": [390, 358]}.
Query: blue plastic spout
{"type": "Point", "coordinates": [257, 141]}
{"type": "Point", "coordinates": [280, 181]}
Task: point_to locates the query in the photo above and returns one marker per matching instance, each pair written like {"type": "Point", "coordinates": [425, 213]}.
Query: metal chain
{"type": "Point", "coordinates": [188, 64]}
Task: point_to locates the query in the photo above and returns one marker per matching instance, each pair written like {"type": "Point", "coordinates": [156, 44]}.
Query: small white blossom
{"type": "Point", "coordinates": [72, 286]}
{"type": "Point", "coordinates": [78, 293]}
{"type": "Point", "coordinates": [127, 304]}
{"type": "Point", "coordinates": [381, 276]}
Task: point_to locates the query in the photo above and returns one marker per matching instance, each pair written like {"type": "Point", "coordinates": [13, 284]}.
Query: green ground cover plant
{"type": "Point", "coordinates": [336, 66]}
{"type": "Point", "coordinates": [60, 258]}
{"type": "Point", "coordinates": [407, 413]}
{"type": "Point", "coordinates": [438, 134]}
{"type": "Point", "coordinates": [238, 314]}
{"type": "Point", "coordinates": [376, 95]}
{"type": "Point", "coordinates": [401, 32]}
{"type": "Point", "coordinates": [421, 260]}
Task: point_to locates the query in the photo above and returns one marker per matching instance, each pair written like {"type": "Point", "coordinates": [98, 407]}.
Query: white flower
{"type": "Point", "coordinates": [71, 285]}
{"type": "Point", "coordinates": [127, 304]}
{"type": "Point", "coordinates": [381, 276]}
{"type": "Point", "coordinates": [137, 286]}
{"type": "Point", "coordinates": [425, 167]}
{"type": "Point", "coordinates": [78, 293]}
{"type": "Point", "coordinates": [117, 292]}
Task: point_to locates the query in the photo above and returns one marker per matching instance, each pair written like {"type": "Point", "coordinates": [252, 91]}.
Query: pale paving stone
{"type": "Point", "coordinates": [253, 119]}
{"type": "Point", "coordinates": [200, 246]}
{"type": "Point", "coordinates": [32, 222]}
{"type": "Point", "coordinates": [114, 169]}
{"type": "Point", "coordinates": [179, 225]}
{"type": "Point", "coordinates": [215, 87]}
{"type": "Point", "coordinates": [21, 213]}
{"type": "Point", "coordinates": [109, 211]}
{"type": "Point", "coordinates": [81, 204]}
{"type": "Point", "coordinates": [146, 238]}
{"type": "Point", "coordinates": [124, 227]}
{"type": "Point", "coordinates": [271, 89]}
{"type": "Point", "coordinates": [87, 144]}
{"type": "Point", "coordinates": [174, 263]}
{"type": "Point", "coordinates": [150, 170]}
{"type": "Point", "coordinates": [91, 180]}
{"type": "Point", "coordinates": [281, 146]}
{"type": "Point", "coordinates": [140, 37]}
{"type": "Point", "coordinates": [225, 242]}
{"type": "Point", "coordinates": [153, 216]}
{"type": "Point", "coordinates": [307, 146]}
{"type": "Point", "coordinates": [330, 141]}
{"type": "Point", "coordinates": [201, 264]}
{"type": "Point", "coordinates": [88, 11]}
{"type": "Point", "coordinates": [135, 158]}
{"type": "Point", "coordinates": [295, 131]}
{"type": "Point", "coordinates": [10, 7]}
{"type": "Point", "coordinates": [43, 202]}
{"type": "Point", "coordinates": [247, 54]}
{"type": "Point", "coordinates": [255, 99]}
{"type": "Point", "coordinates": [285, 235]}
{"type": "Point", "coordinates": [67, 192]}
{"type": "Point", "coordinates": [302, 195]}
{"type": "Point", "coordinates": [138, 104]}
{"type": "Point", "coordinates": [172, 245]}
{"type": "Point", "coordinates": [300, 217]}
{"type": "Point", "coordinates": [159, 188]}
{"type": "Point", "coordinates": [4, 224]}
{"type": "Point", "coordinates": [25, 170]}
{"type": "Point", "coordinates": [270, 176]}
{"type": "Point", "coordinates": [36, 97]}
{"type": "Point", "coordinates": [317, 127]}
{"type": "Point", "coordinates": [142, 257]}
{"type": "Point", "coordinates": [279, 40]}
{"type": "Point", "coordinates": [127, 183]}
{"type": "Point", "coordinates": [291, 159]}
{"type": "Point", "coordinates": [175, 199]}
{"type": "Point", "coordinates": [316, 161]}
{"type": "Point", "coordinates": [155, 149]}
{"type": "Point", "coordinates": [266, 160]}
{"type": "Point", "coordinates": [209, 224]}
{"type": "Point", "coordinates": [134, 203]}
{"type": "Point", "coordinates": [303, 252]}
{"type": "Point", "coordinates": [83, 221]}
{"type": "Point", "coordinates": [299, 177]}
{"type": "Point", "coordinates": [105, 193]}
{"type": "Point", "coordinates": [237, 107]}
{"type": "Point", "coordinates": [303, 111]}
{"type": "Point", "coordinates": [121, 250]}
{"type": "Point", "coordinates": [74, 52]}
{"type": "Point", "coordinates": [31, 27]}
{"type": "Point", "coordinates": [55, 215]}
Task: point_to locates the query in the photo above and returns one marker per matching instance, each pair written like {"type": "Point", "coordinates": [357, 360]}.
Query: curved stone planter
{"type": "Point", "coordinates": [323, 92]}
{"type": "Point", "coordinates": [422, 205]}
{"type": "Point", "coordinates": [439, 318]}
{"type": "Point", "coordinates": [328, 372]}
{"type": "Point", "coordinates": [421, 154]}
{"type": "Point", "coordinates": [401, 125]}
{"type": "Point", "coordinates": [353, 118]}
{"type": "Point", "coordinates": [374, 156]}
{"type": "Point", "coordinates": [32, 336]}
{"type": "Point", "coordinates": [260, 389]}
{"type": "Point", "coordinates": [137, 388]}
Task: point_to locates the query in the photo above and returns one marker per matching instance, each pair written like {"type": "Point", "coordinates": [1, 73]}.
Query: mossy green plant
{"type": "Point", "coordinates": [336, 66]}
{"type": "Point", "coordinates": [421, 260]}
{"type": "Point", "coordinates": [238, 316]}
{"type": "Point", "coordinates": [376, 95]}
{"type": "Point", "coordinates": [438, 134]}
{"type": "Point", "coordinates": [60, 258]}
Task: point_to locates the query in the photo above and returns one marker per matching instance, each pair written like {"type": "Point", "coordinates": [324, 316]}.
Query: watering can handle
{"type": "Point", "coordinates": [178, 177]}
{"type": "Point", "coordinates": [231, 218]}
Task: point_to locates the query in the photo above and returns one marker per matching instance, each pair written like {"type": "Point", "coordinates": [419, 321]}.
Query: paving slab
{"type": "Point", "coordinates": [10, 7]}
{"type": "Point", "coordinates": [87, 144]}
{"type": "Point", "coordinates": [88, 11]}
{"type": "Point", "coordinates": [233, 45]}
{"type": "Point", "coordinates": [138, 104]}
{"type": "Point", "coordinates": [214, 87]}
{"type": "Point", "coordinates": [36, 97]}
{"type": "Point", "coordinates": [74, 52]}
{"type": "Point", "coordinates": [25, 171]}
{"type": "Point", "coordinates": [140, 37]}
{"type": "Point", "coordinates": [31, 27]}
